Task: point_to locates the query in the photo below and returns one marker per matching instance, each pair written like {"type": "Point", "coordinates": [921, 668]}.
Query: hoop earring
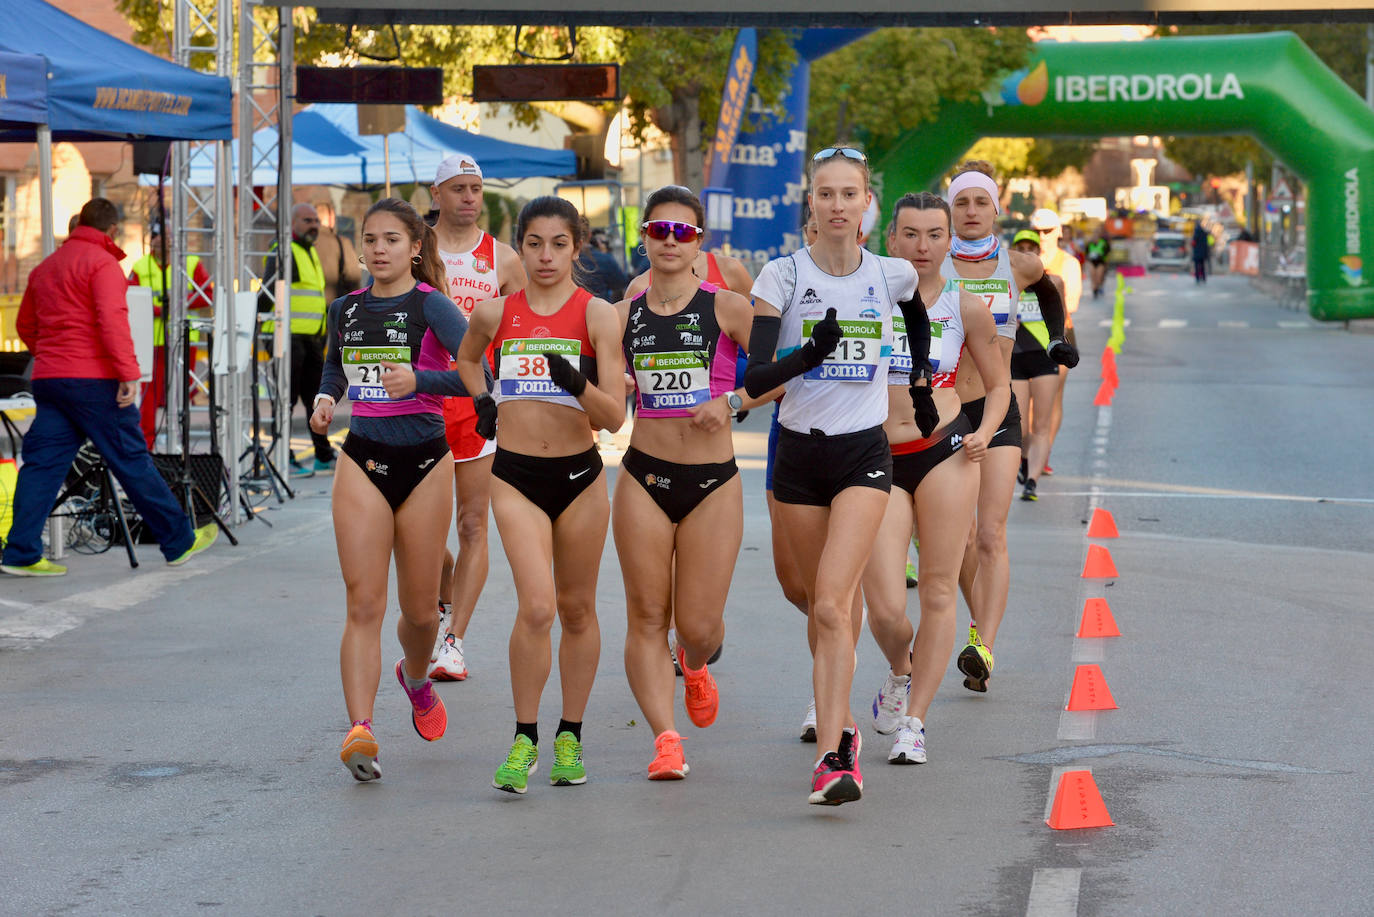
{"type": "Point", "coordinates": [642, 250]}
{"type": "Point", "coordinates": [360, 260]}
{"type": "Point", "coordinates": [417, 260]}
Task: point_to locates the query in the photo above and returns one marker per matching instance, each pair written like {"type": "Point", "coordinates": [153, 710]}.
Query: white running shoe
{"type": "Point", "coordinates": [443, 632]}
{"type": "Point", "coordinates": [672, 652]}
{"type": "Point", "coordinates": [450, 666]}
{"type": "Point", "coordinates": [910, 747]}
{"type": "Point", "coordinates": [889, 707]}
{"type": "Point", "coordinates": [808, 733]}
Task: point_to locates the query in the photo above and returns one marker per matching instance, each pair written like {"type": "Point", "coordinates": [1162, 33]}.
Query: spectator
{"type": "Point", "coordinates": [85, 379]}
{"type": "Point", "coordinates": [597, 269]}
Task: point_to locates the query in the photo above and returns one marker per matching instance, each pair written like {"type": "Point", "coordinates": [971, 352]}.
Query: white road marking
{"type": "Point", "coordinates": [1107, 323]}
{"type": "Point", "coordinates": [1233, 324]}
{"type": "Point", "coordinates": [45, 620]}
{"type": "Point", "coordinates": [1163, 494]}
{"type": "Point", "coordinates": [1054, 892]}
{"type": "Point", "coordinates": [1303, 325]}
{"type": "Point", "coordinates": [1173, 323]}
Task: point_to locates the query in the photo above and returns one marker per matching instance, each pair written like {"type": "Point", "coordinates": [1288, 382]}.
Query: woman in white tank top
{"type": "Point", "coordinates": [986, 269]}
{"type": "Point", "coordinates": [827, 314]}
{"type": "Point", "coordinates": [935, 482]}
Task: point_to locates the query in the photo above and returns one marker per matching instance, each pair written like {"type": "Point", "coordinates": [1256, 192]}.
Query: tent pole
{"type": "Point", "coordinates": [282, 345]}
{"type": "Point", "coordinates": [45, 189]}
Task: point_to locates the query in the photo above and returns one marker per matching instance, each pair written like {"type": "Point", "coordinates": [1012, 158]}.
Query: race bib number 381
{"type": "Point", "coordinates": [363, 370]}
{"type": "Point", "coordinates": [672, 380]}
{"type": "Point", "coordinates": [524, 368]}
{"type": "Point", "coordinates": [855, 358]}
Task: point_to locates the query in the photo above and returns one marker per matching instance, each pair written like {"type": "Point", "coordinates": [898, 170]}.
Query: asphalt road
{"type": "Point", "coordinates": [170, 736]}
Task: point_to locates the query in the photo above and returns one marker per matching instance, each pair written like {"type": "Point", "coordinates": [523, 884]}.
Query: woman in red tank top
{"type": "Point", "coordinates": [559, 377]}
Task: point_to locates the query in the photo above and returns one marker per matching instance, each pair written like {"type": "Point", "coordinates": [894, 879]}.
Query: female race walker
{"type": "Point", "coordinates": [980, 264]}
{"type": "Point", "coordinates": [1035, 378]}
{"type": "Point", "coordinates": [678, 531]}
{"type": "Point", "coordinates": [935, 480]}
{"type": "Point", "coordinates": [389, 351]}
{"type": "Point", "coordinates": [826, 312]}
{"type": "Point", "coordinates": [559, 377]}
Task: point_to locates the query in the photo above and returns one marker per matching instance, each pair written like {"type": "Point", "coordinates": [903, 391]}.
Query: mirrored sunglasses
{"type": "Point", "coordinates": [661, 229]}
{"type": "Point", "coordinates": [847, 152]}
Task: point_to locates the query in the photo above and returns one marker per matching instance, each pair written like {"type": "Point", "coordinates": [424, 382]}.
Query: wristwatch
{"type": "Point", "coordinates": [735, 402]}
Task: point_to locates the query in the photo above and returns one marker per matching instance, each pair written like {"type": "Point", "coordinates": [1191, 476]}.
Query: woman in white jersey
{"type": "Point", "coordinates": [559, 377]}
{"type": "Point", "coordinates": [826, 312]}
{"type": "Point", "coordinates": [983, 267]}
{"type": "Point", "coordinates": [935, 480]}
{"type": "Point", "coordinates": [477, 268]}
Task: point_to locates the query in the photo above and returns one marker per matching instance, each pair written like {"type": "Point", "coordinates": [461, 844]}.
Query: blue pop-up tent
{"type": "Point", "coordinates": [24, 101]}
{"type": "Point", "coordinates": [327, 149]}
{"type": "Point", "coordinates": [100, 88]}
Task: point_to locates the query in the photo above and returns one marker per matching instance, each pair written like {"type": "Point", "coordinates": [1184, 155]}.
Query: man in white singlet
{"type": "Point", "coordinates": [479, 268]}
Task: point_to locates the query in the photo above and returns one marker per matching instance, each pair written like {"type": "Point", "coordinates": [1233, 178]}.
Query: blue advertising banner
{"type": "Point", "coordinates": [733, 100]}
{"type": "Point", "coordinates": [768, 162]}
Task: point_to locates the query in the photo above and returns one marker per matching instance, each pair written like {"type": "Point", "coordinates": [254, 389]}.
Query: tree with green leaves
{"type": "Point", "coordinates": [876, 89]}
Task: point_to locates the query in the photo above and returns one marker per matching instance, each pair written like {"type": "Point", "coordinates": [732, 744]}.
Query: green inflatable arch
{"type": "Point", "coordinates": [1269, 86]}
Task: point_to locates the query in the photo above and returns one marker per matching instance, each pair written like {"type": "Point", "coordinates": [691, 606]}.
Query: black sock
{"type": "Point", "coordinates": [529, 731]}
{"type": "Point", "coordinates": [574, 728]}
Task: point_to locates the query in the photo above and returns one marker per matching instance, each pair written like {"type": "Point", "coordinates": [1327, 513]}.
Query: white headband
{"type": "Point", "coordinates": [973, 179]}
{"type": "Point", "coordinates": [455, 165]}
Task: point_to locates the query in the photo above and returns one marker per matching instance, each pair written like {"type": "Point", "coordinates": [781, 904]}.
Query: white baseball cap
{"type": "Point", "coordinates": [1045, 219]}
{"type": "Point", "coordinates": [455, 165]}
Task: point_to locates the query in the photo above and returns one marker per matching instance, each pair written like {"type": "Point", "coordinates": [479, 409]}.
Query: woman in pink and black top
{"type": "Point", "coordinates": [678, 526]}
{"type": "Point", "coordinates": [389, 351]}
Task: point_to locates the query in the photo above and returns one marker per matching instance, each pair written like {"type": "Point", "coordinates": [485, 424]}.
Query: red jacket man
{"type": "Point", "coordinates": [73, 318]}
{"type": "Point", "coordinates": [75, 322]}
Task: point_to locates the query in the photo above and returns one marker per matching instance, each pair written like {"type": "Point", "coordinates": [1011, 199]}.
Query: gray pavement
{"type": "Point", "coordinates": [170, 736]}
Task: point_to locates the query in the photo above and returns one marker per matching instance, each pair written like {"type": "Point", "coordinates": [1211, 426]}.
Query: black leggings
{"type": "Point", "coordinates": [677, 489]}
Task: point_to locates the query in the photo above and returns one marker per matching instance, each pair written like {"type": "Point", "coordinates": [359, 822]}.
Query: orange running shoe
{"type": "Point", "coordinates": [427, 712]}
{"type": "Point", "coordinates": [668, 763]}
{"type": "Point", "coordinates": [359, 753]}
{"type": "Point", "coordinates": [699, 692]}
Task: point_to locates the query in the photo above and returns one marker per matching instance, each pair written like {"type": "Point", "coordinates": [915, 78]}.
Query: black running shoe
{"type": "Point", "coordinates": [1028, 494]}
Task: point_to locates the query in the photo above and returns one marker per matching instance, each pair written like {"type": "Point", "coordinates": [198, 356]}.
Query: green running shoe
{"type": "Point", "coordinates": [975, 661]}
{"type": "Point", "coordinates": [513, 775]}
{"type": "Point", "coordinates": [40, 567]}
{"type": "Point", "coordinates": [567, 767]}
{"type": "Point", "coordinates": [910, 575]}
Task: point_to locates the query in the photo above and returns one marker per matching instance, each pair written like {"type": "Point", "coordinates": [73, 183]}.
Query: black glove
{"type": "Point", "coordinates": [825, 337]}
{"type": "Point", "coordinates": [486, 415]}
{"type": "Point", "coordinates": [1063, 353]}
{"type": "Point", "coordinates": [923, 400]}
{"type": "Point", "coordinates": [565, 376]}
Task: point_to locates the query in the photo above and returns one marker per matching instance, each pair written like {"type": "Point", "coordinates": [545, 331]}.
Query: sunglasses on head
{"type": "Point", "coordinates": [848, 152]}
{"type": "Point", "coordinates": [662, 229]}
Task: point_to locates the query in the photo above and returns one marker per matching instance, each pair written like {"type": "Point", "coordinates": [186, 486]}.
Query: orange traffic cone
{"type": "Point", "coordinates": [1097, 620]}
{"type": "Point", "coordinates": [1109, 375]}
{"type": "Point", "coordinates": [1103, 398]}
{"type": "Point", "coordinates": [1090, 691]}
{"type": "Point", "coordinates": [1099, 563]}
{"type": "Point", "coordinates": [1102, 525]}
{"type": "Point", "coordinates": [1078, 804]}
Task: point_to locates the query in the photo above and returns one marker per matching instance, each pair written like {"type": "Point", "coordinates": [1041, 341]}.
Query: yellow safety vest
{"type": "Point", "coordinates": [150, 275]}
{"type": "Point", "coordinates": [308, 305]}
